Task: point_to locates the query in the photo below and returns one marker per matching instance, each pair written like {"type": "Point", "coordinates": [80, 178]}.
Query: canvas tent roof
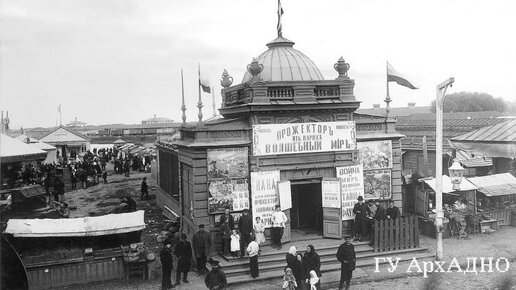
{"type": "Point", "coordinates": [77, 227]}
{"type": "Point", "coordinates": [43, 146]}
{"type": "Point", "coordinates": [119, 141]}
{"type": "Point", "coordinates": [447, 184]}
{"type": "Point", "coordinates": [496, 184]}
{"type": "Point", "coordinates": [12, 150]}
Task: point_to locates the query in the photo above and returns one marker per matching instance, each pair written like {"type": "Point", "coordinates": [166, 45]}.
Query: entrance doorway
{"type": "Point", "coordinates": [306, 214]}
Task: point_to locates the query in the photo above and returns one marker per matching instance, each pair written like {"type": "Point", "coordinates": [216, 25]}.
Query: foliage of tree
{"type": "Point", "coordinates": [473, 102]}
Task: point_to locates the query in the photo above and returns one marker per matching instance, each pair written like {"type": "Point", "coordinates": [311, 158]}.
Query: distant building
{"type": "Point", "coordinates": [157, 120]}
{"type": "Point", "coordinates": [396, 112]}
{"type": "Point", "coordinates": [69, 143]}
{"type": "Point", "coordinates": [76, 123]}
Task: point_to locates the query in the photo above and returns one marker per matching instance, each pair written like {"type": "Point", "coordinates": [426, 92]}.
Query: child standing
{"type": "Point", "coordinates": [289, 281]}
{"type": "Point", "coordinates": [259, 228]}
{"type": "Point", "coordinates": [235, 243]}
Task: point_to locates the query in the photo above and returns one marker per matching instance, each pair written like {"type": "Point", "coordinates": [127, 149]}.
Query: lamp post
{"type": "Point", "coordinates": [439, 102]}
{"type": "Point", "coordinates": [456, 173]}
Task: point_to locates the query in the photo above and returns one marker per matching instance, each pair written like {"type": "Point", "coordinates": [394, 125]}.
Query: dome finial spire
{"type": "Point", "coordinates": [280, 13]}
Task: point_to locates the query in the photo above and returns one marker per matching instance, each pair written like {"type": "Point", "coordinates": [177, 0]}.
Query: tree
{"type": "Point", "coordinates": [472, 102]}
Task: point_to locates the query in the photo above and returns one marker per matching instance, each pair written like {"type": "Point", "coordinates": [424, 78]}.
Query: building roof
{"type": "Point", "coordinates": [12, 150]}
{"type": "Point", "coordinates": [396, 111]}
{"type": "Point", "coordinates": [43, 146]}
{"type": "Point", "coordinates": [158, 120]}
{"type": "Point", "coordinates": [447, 184]}
{"type": "Point", "coordinates": [77, 227]}
{"type": "Point", "coordinates": [496, 184]}
{"type": "Point", "coordinates": [503, 132]}
{"type": "Point", "coordinates": [470, 161]}
{"type": "Point", "coordinates": [281, 62]}
{"type": "Point", "coordinates": [62, 134]}
{"type": "Point", "coordinates": [119, 141]}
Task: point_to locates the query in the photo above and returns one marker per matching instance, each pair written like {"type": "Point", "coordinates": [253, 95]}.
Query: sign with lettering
{"type": "Point", "coordinates": [377, 184]}
{"type": "Point", "coordinates": [285, 194]}
{"type": "Point", "coordinates": [276, 139]}
{"type": "Point", "coordinates": [331, 192]}
{"type": "Point", "coordinates": [352, 182]}
{"type": "Point", "coordinates": [264, 195]}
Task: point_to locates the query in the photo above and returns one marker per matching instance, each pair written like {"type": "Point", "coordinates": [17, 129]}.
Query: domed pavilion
{"type": "Point", "coordinates": [283, 130]}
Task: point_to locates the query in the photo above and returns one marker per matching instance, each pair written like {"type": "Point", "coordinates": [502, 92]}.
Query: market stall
{"type": "Point", "coordinates": [63, 252]}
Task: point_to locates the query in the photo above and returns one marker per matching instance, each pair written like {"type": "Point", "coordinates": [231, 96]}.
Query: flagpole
{"type": "Point", "coordinates": [213, 101]}
{"type": "Point", "coordinates": [199, 104]}
{"type": "Point", "coordinates": [388, 97]}
{"type": "Point", "coordinates": [183, 106]}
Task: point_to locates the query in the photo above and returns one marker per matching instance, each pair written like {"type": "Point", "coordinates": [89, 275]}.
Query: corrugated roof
{"type": "Point", "coordinates": [470, 161]}
{"type": "Point", "coordinates": [496, 184]}
{"type": "Point", "coordinates": [504, 132]}
{"type": "Point", "coordinates": [448, 186]}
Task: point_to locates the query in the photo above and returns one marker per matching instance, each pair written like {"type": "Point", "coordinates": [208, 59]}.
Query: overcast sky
{"type": "Point", "coordinates": [119, 61]}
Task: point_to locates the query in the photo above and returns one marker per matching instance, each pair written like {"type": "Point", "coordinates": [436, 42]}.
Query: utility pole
{"type": "Point", "coordinates": [439, 102]}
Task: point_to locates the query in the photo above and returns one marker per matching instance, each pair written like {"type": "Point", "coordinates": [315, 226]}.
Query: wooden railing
{"type": "Point", "coordinates": [503, 216]}
{"type": "Point", "coordinates": [399, 234]}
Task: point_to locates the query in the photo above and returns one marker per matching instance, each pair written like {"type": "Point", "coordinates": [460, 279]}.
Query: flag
{"type": "Point", "coordinates": [394, 76]}
{"type": "Point", "coordinates": [280, 12]}
{"type": "Point", "coordinates": [205, 85]}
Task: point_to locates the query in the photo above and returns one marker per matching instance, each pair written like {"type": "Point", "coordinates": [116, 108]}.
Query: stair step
{"type": "Point", "coordinates": [329, 263]}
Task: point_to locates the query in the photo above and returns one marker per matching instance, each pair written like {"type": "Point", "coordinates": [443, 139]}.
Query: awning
{"type": "Point", "coordinates": [496, 184]}
{"type": "Point", "coordinates": [448, 186]}
{"type": "Point", "coordinates": [77, 227]}
{"type": "Point", "coordinates": [12, 150]}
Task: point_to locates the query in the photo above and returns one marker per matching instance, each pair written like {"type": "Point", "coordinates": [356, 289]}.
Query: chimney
{"type": "Point", "coordinates": [411, 104]}
{"type": "Point", "coordinates": [376, 106]}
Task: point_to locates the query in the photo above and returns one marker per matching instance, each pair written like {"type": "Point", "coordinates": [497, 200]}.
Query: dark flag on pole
{"type": "Point", "coordinates": [204, 83]}
{"type": "Point", "coordinates": [394, 76]}
{"type": "Point", "coordinates": [280, 12]}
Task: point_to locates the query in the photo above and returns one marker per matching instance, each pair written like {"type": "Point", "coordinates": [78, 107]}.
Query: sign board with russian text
{"type": "Point", "coordinates": [331, 193]}
{"type": "Point", "coordinates": [277, 139]}
{"type": "Point", "coordinates": [352, 183]}
{"type": "Point", "coordinates": [264, 195]}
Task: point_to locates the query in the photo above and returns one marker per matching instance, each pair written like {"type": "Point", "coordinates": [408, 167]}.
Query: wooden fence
{"type": "Point", "coordinates": [399, 234]}
{"type": "Point", "coordinates": [503, 216]}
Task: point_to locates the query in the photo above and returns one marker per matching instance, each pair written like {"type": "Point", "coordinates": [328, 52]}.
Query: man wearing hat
{"type": "Point", "coordinates": [361, 211]}
{"type": "Point", "coordinates": [245, 226]}
{"type": "Point", "coordinates": [347, 259]}
{"type": "Point", "coordinates": [216, 278]}
{"type": "Point", "coordinates": [202, 249]}
{"type": "Point", "coordinates": [183, 253]}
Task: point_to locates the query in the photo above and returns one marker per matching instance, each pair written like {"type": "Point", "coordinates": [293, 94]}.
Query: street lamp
{"type": "Point", "coordinates": [439, 102]}
{"type": "Point", "coordinates": [456, 173]}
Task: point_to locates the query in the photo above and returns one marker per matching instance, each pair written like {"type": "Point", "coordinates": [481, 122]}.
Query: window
{"type": "Point", "coordinates": [169, 173]}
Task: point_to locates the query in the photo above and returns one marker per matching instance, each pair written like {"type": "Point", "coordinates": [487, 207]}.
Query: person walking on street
{"type": "Point", "coordinates": [245, 227]}
{"type": "Point", "coordinates": [166, 267]}
{"type": "Point", "coordinates": [252, 250]}
{"type": "Point", "coordinates": [216, 278]}
{"type": "Point", "coordinates": [104, 176]}
{"type": "Point", "coordinates": [279, 219]}
{"type": "Point", "coordinates": [361, 212]}
{"type": "Point", "coordinates": [183, 253]}
{"type": "Point", "coordinates": [347, 259]}
{"type": "Point", "coordinates": [202, 248]}
{"type": "Point", "coordinates": [144, 190]}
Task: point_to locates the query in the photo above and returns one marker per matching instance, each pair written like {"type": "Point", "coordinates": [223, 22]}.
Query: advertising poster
{"type": "Point", "coordinates": [276, 139]}
{"type": "Point", "coordinates": [377, 184]}
{"type": "Point", "coordinates": [352, 182]}
{"type": "Point", "coordinates": [228, 187]}
{"type": "Point", "coordinates": [331, 193]}
{"type": "Point", "coordinates": [264, 194]}
{"type": "Point", "coordinates": [375, 154]}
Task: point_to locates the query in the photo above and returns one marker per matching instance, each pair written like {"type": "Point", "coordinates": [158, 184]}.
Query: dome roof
{"type": "Point", "coordinates": [281, 62]}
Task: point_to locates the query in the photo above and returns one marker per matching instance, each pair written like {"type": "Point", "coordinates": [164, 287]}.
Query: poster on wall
{"type": "Point", "coordinates": [264, 195]}
{"type": "Point", "coordinates": [377, 184]}
{"type": "Point", "coordinates": [285, 194]}
{"type": "Point", "coordinates": [375, 154]}
{"type": "Point", "coordinates": [276, 139]}
{"type": "Point", "coordinates": [228, 171]}
{"type": "Point", "coordinates": [352, 183]}
{"type": "Point", "coordinates": [331, 192]}
{"type": "Point", "coordinates": [224, 163]}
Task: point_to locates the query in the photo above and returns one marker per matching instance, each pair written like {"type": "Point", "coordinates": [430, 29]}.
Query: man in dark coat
{"type": "Point", "coordinates": [216, 278]}
{"type": "Point", "coordinates": [378, 216]}
{"type": "Point", "coordinates": [202, 249]}
{"type": "Point", "coordinates": [183, 253]}
{"type": "Point", "coordinates": [245, 227]}
{"type": "Point", "coordinates": [347, 259]}
{"type": "Point", "coordinates": [144, 190]}
{"type": "Point", "coordinates": [393, 212]}
{"type": "Point", "coordinates": [227, 224]}
{"type": "Point", "coordinates": [166, 267]}
{"type": "Point", "coordinates": [361, 211]}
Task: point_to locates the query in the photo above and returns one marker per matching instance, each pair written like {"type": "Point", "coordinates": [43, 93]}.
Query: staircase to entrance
{"type": "Point", "coordinates": [272, 262]}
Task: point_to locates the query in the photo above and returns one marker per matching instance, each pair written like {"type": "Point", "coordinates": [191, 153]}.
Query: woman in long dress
{"type": "Point", "coordinates": [259, 228]}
